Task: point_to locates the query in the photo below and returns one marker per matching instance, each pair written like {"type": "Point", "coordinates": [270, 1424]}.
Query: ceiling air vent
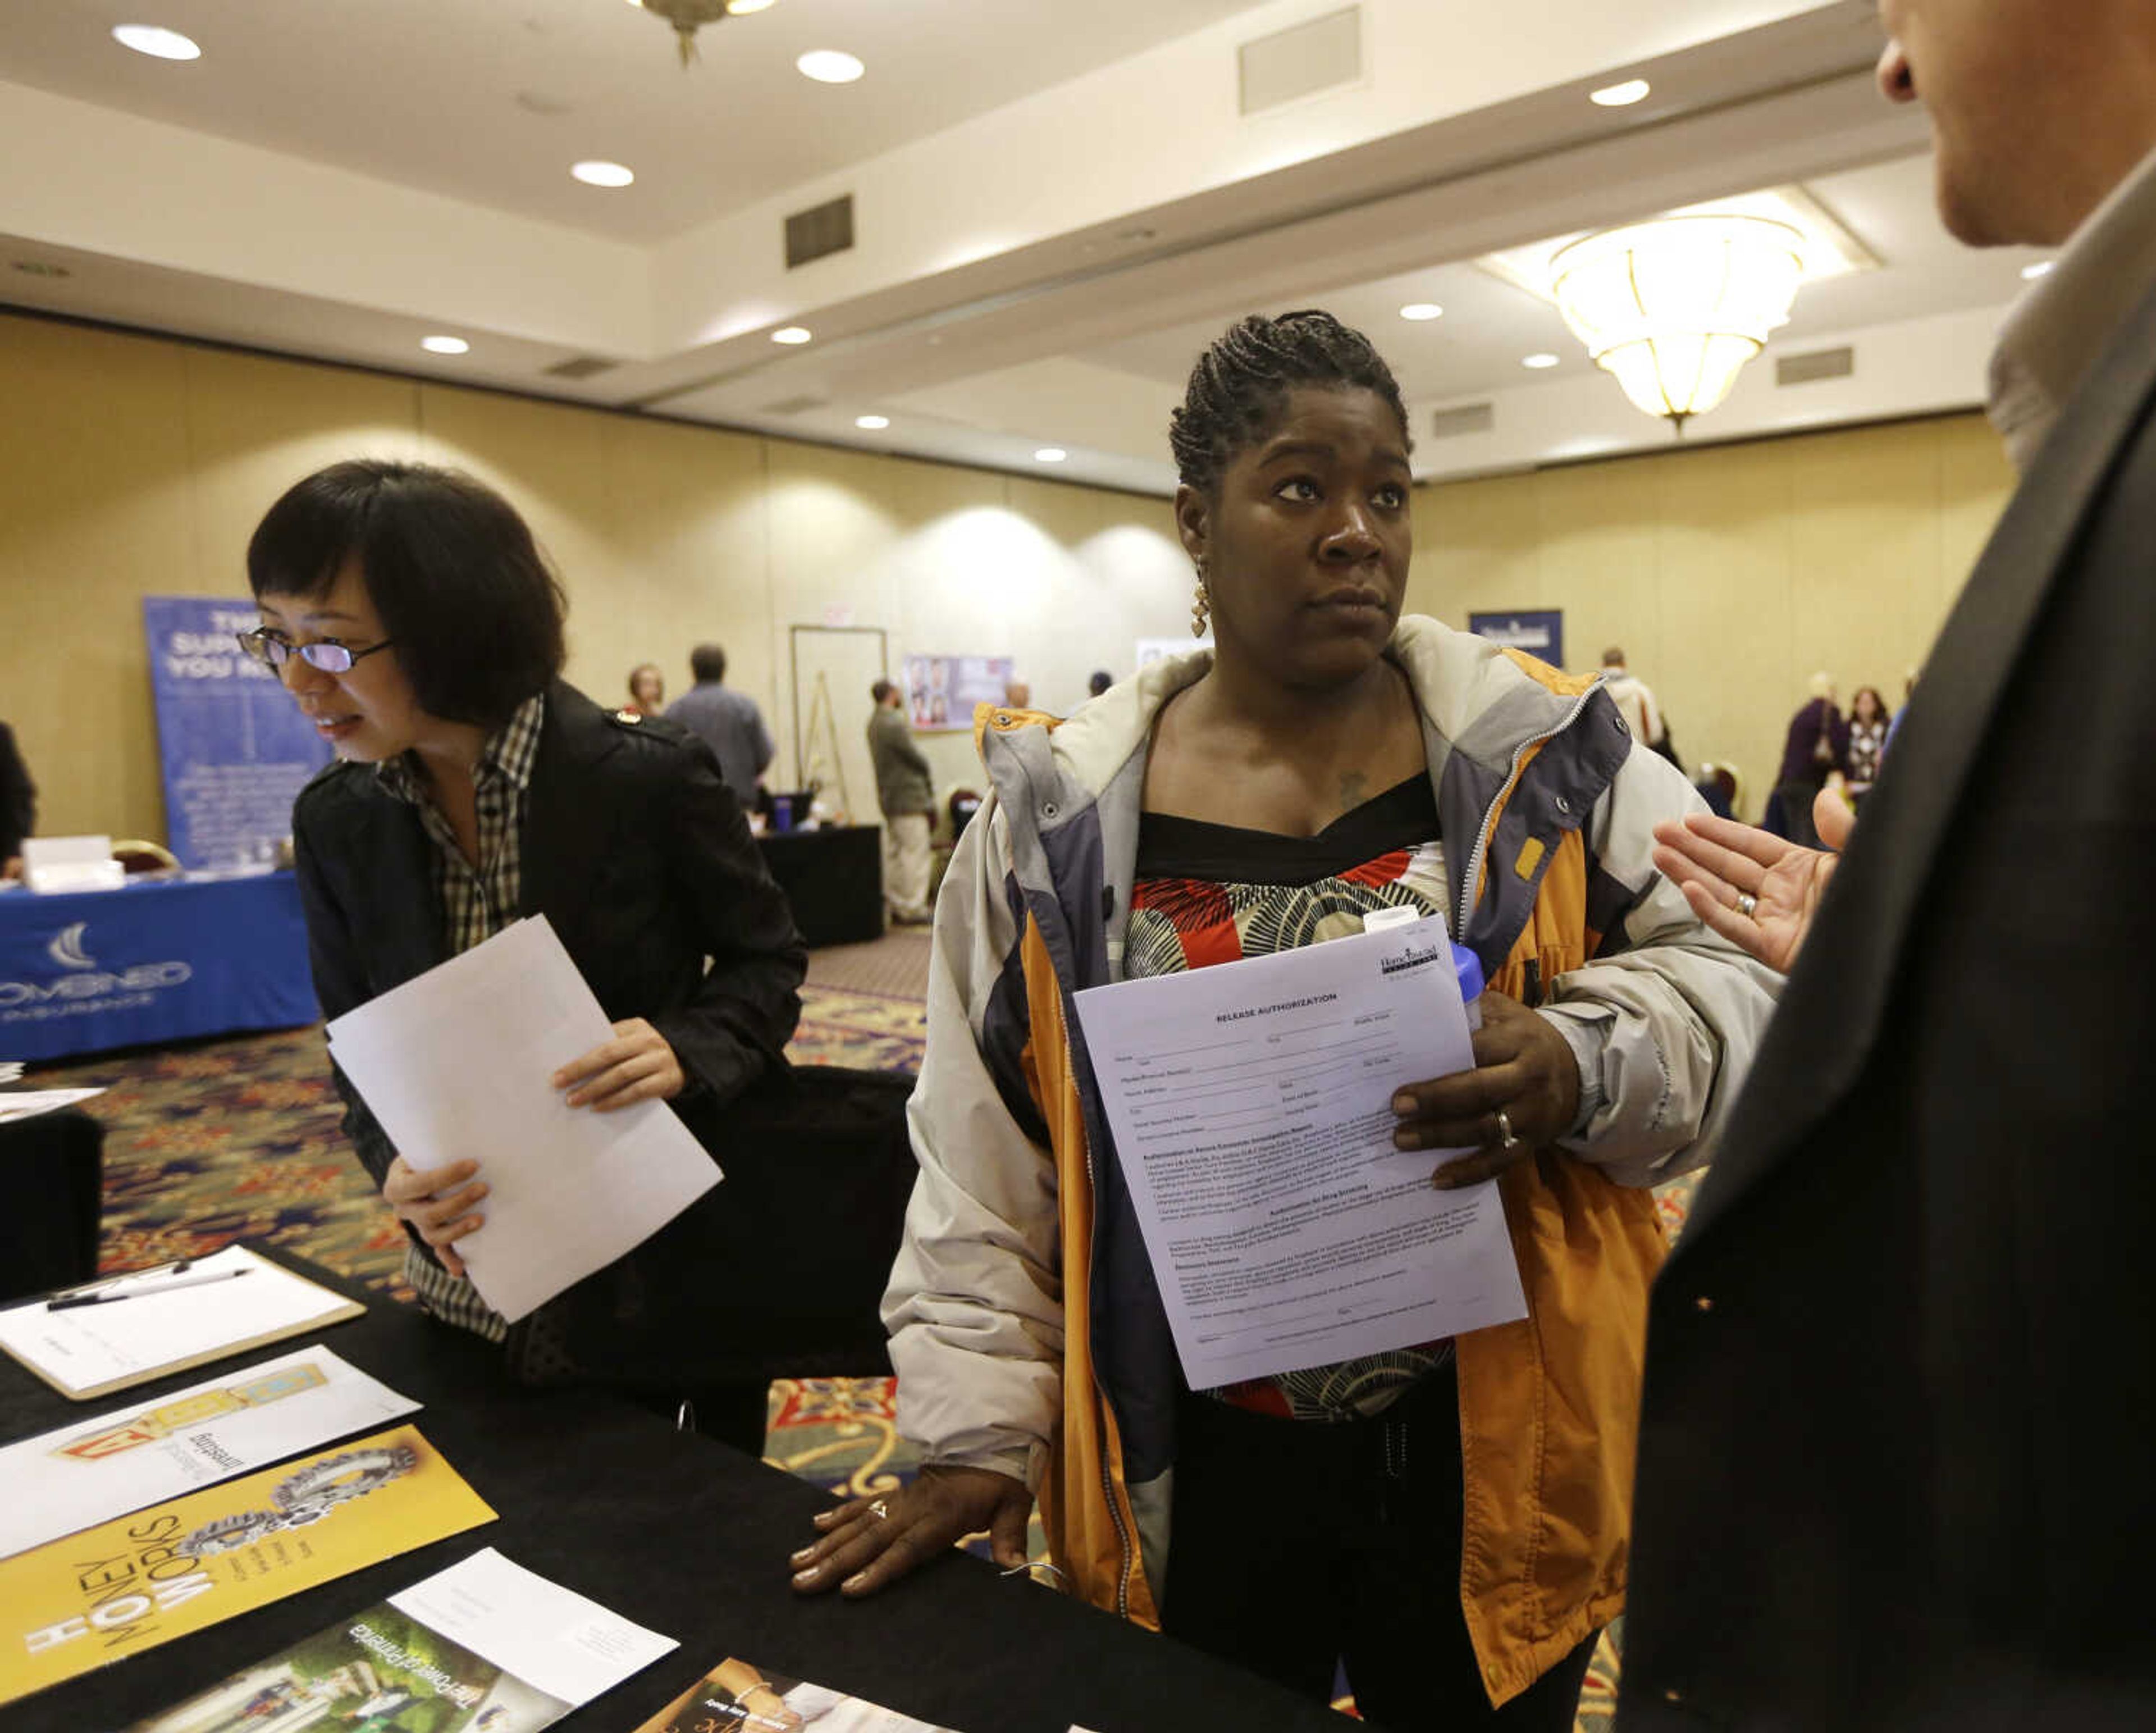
{"type": "Point", "coordinates": [1819, 364]}
{"type": "Point", "coordinates": [1468, 419]}
{"type": "Point", "coordinates": [581, 367]}
{"type": "Point", "coordinates": [819, 232]}
{"type": "Point", "coordinates": [1301, 60]}
{"type": "Point", "coordinates": [793, 405]}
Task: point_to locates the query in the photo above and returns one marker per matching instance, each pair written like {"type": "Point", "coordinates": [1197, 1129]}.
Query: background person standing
{"type": "Point", "coordinates": [18, 804]}
{"type": "Point", "coordinates": [907, 795]}
{"type": "Point", "coordinates": [727, 721]}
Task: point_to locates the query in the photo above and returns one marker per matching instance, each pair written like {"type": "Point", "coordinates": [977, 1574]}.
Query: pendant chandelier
{"type": "Point", "coordinates": [687, 17]}
{"type": "Point", "coordinates": [1674, 308]}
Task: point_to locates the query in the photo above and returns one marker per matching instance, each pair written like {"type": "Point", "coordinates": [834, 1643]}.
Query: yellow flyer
{"type": "Point", "coordinates": [125, 1585]}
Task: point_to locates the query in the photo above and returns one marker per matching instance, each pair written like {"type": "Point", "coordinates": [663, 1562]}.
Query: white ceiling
{"type": "Point", "coordinates": [490, 101]}
{"type": "Point", "coordinates": [1056, 205]}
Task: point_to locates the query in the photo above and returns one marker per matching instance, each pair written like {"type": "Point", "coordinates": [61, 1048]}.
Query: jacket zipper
{"type": "Point", "coordinates": [1108, 1475]}
{"type": "Point", "coordinates": [1473, 876]}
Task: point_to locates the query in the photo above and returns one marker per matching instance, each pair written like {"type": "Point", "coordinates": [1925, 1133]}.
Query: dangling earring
{"type": "Point", "coordinates": [1201, 606]}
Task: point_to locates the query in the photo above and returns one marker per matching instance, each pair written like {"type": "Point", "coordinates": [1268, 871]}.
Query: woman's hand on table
{"type": "Point", "coordinates": [867, 1544]}
{"type": "Point", "coordinates": [639, 1064]}
{"type": "Point", "coordinates": [1524, 1071]}
{"type": "Point", "coordinates": [438, 1202]}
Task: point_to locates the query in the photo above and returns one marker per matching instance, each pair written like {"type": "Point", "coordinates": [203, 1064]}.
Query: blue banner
{"type": "Point", "coordinates": [235, 747]}
{"type": "Point", "coordinates": [1539, 632]}
{"type": "Point", "coordinates": [153, 962]}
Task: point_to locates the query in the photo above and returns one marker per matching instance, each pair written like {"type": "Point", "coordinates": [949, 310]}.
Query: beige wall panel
{"type": "Point", "coordinates": [1475, 548]}
{"type": "Point", "coordinates": [133, 466]}
{"type": "Point", "coordinates": [1724, 674]}
{"type": "Point", "coordinates": [1866, 553]}
{"type": "Point", "coordinates": [95, 515]}
{"type": "Point", "coordinates": [922, 550]}
{"type": "Point", "coordinates": [1599, 562]}
{"type": "Point", "coordinates": [1729, 574]}
{"type": "Point", "coordinates": [549, 461]}
{"type": "Point", "coordinates": [1121, 576]}
{"type": "Point", "coordinates": [688, 561]}
{"type": "Point", "coordinates": [256, 425]}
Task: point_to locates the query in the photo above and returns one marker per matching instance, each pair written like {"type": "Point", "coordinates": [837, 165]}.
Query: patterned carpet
{"type": "Point", "coordinates": [238, 1137]}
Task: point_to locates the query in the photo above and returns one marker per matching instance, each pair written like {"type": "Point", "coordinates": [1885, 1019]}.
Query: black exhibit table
{"type": "Point", "coordinates": [685, 1537]}
{"type": "Point", "coordinates": [833, 878]}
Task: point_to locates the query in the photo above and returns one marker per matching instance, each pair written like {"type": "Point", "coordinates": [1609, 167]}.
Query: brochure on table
{"type": "Point", "coordinates": [484, 1646]}
{"type": "Point", "coordinates": [98, 1597]}
{"type": "Point", "coordinates": [80, 1475]}
{"type": "Point", "coordinates": [150, 1323]}
{"type": "Point", "coordinates": [740, 1695]}
{"type": "Point", "coordinates": [454, 1064]}
{"type": "Point", "coordinates": [29, 1104]}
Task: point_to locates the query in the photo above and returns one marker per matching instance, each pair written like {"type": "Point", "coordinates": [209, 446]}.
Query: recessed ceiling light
{"type": "Point", "coordinates": [2041, 268]}
{"type": "Point", "coordinates": [1624, 96]}
{"type": "Point", "coordinates": [603, 174]}
{"type": "Point", "coordinates": [1050, 454]}
{"type": "Point", "coordinates": [736, 9]}
{"type": "Point", "coordinates": [153, 40]}
{"type": "Point", "coordinates": [792, 334]}
{"type": "Point", "coordinates": [1420, 309]}
{"type": "Point", "coordinates": [830, 66]}
{"type": "Point", "coordinates": [872, 424]}
{"type": "Point", "coordinates": [443, 345]}
{"type": "Point", "coordinates": [1538, 361]}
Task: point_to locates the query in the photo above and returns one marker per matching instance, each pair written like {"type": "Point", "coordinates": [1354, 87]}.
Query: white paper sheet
{"type": "Point", "coordinates": [91, 1345]}
{"type": "Point", "coordinates": [455, 1064]}
{"type": "Point", "coordinates": [1251, 1108]}
{"type": "Point", "coordinates": [27, 1104]}
{"type": "Point", "coordinates": [550, 1638]}
{"type": "Point", "coordinates": [142, 1454]}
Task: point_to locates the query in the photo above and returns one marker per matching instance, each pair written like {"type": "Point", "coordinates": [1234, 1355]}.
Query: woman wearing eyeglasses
{"type": "Point", "coordinates": [412, 617]}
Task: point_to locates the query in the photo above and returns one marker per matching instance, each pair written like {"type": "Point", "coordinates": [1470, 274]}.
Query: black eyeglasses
{"type": "Point", "coordinates": [273, 651]}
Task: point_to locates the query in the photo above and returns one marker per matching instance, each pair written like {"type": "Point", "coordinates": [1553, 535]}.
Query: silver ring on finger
{"type": "Point", "coordinates": [1746, 903]}
{"type": "Point", "coordinates": [1506, 1139]}
{"type": "Point", "coordinates": [879, 1510]}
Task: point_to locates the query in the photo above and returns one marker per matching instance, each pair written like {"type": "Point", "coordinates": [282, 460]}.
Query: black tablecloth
{"type": "Point", "coordinates": [688, 1538]}
{"type": "Point", "coordinates": [53, 1166]}
{"type": "Point", "coordinates": [833, 878]}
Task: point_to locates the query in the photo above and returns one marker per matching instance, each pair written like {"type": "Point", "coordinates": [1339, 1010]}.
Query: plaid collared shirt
{"type": "Point", "coordinates": [477, 903]}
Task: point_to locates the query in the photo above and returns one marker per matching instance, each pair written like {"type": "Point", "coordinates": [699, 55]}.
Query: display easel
{"type": "Point", "coordinates": [822, 762]}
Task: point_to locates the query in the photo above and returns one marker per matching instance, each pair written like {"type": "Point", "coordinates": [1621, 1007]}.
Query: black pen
{"type": "Point", "coordinates": [106, 1296]}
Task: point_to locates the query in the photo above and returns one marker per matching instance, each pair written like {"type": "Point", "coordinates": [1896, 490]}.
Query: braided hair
{"type": "Point", "coordinates": [1240, 385]}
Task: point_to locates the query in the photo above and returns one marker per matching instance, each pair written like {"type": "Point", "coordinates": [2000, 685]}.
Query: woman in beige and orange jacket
{"type": "Point", "coordinates": [1452, 1519]}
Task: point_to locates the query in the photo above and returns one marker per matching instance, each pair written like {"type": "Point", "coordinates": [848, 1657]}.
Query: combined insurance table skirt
{"type": "Point", "coordinates": [151, 962]}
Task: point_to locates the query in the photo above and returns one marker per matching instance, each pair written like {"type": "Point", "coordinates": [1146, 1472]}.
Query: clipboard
{"type": "Point", "coordinates": [226, 1304]}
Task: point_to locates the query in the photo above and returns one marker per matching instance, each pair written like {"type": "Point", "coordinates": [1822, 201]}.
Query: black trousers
{"type": "Point", "coordinates": [1297, 1543]}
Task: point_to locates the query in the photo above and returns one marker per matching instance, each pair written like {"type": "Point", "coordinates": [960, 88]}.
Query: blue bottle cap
{"type": "Point", "coordinates": [1468, 967]}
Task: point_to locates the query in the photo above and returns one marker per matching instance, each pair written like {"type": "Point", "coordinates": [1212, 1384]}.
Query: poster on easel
{"type": "Point", "coordinates": [234, 749]}
{"type": "Point", "coordinates": [941, 690]}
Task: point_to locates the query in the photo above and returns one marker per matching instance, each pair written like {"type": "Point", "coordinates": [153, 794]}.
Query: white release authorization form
{"type": "Point", "coordinates": [1251, 1108]}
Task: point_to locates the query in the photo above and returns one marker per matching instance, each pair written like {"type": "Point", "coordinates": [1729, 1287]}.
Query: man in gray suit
{"type": "Point", "coordinates": [907, 795]}
{"type": "Point", "coordinates": [1895, 1448]}
{"type": "Point", "coordinates": [727, 721]}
